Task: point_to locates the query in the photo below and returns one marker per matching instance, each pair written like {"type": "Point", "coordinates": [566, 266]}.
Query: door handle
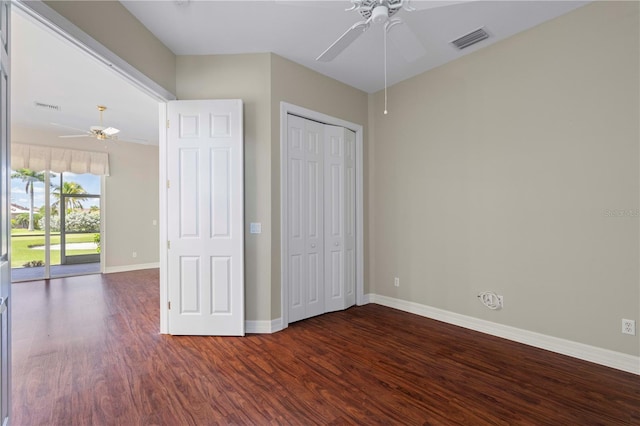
{"type": "Point", "coordinates": [313, 246]}
{"type": "Point", "coordinates": [336, 244]}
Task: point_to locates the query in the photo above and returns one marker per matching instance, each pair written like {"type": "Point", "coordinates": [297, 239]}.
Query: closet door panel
{"type": "Point", "coordinates": [334, 218]}
{"type": "Point", "coordinates": [296, 228]}
{"type": "Point", "coordinates": [314, 217]}
{"type": "Point", "coordinates": [349, 218]}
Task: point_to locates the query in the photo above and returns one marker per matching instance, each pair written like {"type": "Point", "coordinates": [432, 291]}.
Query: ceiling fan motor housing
{"type": "Point", "coordinates": [380, 15]}
{"type": "Point", "coordinates": [379, 10]}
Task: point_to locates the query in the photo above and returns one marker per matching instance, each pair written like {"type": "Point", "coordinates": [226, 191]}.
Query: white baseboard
{"type": "Point", "coordinates": [263, 327]}
{"type": "Point", "coordinates": [617, 360]}
{"type": "Point", "coordinates": [127, 268]}
{"type": "Point", "coordinates": [366, 299]}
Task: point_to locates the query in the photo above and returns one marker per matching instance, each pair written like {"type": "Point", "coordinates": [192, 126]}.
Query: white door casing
{"type": "Point", "coordinates": [5, 218]}
{"type": "Point", "coordinates": [205, 217]}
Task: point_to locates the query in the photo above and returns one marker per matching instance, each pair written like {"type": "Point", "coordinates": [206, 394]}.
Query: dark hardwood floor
{"type": "Point", "coordinates": [87, 351]}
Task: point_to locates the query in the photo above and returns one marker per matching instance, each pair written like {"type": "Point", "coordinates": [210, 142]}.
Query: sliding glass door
{"type": "Point", "coordinates": [55, 224]}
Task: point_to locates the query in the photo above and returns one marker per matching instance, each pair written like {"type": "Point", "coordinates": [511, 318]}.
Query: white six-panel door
{"type": "Point", "coordinates": [321, 218]}
{"type": "Point", "coordinates": [205, 217]}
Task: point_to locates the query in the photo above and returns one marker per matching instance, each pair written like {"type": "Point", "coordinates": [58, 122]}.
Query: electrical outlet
{"type": "Point", "coordinates": [396, 282]}
{"type": "Point", "coordinates": [628, 327]}
{"type": "Point", "coordinates": [500, 301]}
{"type": "Point", "coordinates": [134, 254]}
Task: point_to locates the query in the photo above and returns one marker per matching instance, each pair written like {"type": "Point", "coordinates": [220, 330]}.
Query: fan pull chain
{"type": "Point", "coordinates": [385, 70]}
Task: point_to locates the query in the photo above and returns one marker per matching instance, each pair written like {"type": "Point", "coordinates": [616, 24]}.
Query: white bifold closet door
{"type": "Point", "coordinates": [321, 213]}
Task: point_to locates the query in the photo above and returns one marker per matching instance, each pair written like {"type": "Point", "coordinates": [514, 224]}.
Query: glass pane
{"type": "Point", "coordinates": [76, 206]}
{"type": "Point", "coordinates": [27, 226]}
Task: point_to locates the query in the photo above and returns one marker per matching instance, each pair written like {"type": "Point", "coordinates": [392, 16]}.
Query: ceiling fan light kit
{"type": "Point", "coordinates": [99, 132]}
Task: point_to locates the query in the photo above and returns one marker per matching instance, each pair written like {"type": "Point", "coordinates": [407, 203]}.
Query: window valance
{"type": "Point", "coordinates": [39, 158]}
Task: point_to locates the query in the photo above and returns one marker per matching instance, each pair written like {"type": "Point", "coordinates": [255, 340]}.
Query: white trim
{"type": "Point", "coordinates": [263, 327]}
{"type": "Point", "coordinates": [366, 299]}
{"type": "Point", "coordinates": [617, 360]}
{"type": "Point", "coordinates": [60, 25]}
{"type": "Point", "coordinates": [127, 268]}
{"type": "Point", "coordinates": [287, 108]}
{"type": "Point", "coordinates": [103, 223]}
{"type": "Point", "coordinates": [162, 219]}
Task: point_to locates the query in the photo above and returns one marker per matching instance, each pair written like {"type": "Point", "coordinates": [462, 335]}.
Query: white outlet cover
{"type": "Point", "coordinates": [629, 327]}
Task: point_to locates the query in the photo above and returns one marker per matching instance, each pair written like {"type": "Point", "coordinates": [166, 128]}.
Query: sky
{"type": "Point", "coordinates": [91, 183]}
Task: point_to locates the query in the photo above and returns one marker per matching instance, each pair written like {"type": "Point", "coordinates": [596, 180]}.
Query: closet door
{"type": "Point", "coordinates": [339, 165]}
{"type": "Point", "coordinates": [306, 220]}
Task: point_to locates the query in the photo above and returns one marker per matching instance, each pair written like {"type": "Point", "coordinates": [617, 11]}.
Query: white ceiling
{"type": "Point", "coordinates": [50, 70]}
{"type": "Point", "coordinates": [301, 30]}
{"type": "Point", "coordinates": [47, 69]}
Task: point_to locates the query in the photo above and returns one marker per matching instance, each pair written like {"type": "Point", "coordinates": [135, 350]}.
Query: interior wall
{"type": "Point", "coordinates": [131, 195]}
{"type": "Point", "coordinates": [515, 169]}
{"type": "Point", "coordinates": [295, 84]}
{"type": "Point", "coordinates": [243, 77]}
{"type": "Point", "coordinates": [111, 24]}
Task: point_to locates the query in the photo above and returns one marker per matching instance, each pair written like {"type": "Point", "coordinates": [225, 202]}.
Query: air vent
{"type": "Point", "coordinates": [48, 106]}
{"type": "Point", "coordinates": [471, 38]}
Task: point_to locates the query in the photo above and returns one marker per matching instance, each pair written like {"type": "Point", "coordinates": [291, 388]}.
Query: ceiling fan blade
{"type": "Point", "coordinates": [67, 127]}
{"type": "Point", "coordinates": [344, 41]}
{"type": "Point", "coordinates": [86, 135]}
{"type": "Point", "coordinates": [430, 4]}
{"type": "Point", "coordinates": [325, 4]}
{"type": "Point", "coordinates": [134, 140]}
{"type": "Point", "coordinates": [404, 41]}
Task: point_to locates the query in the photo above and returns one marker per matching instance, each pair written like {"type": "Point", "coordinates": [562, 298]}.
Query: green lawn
{"type": "Point", "coordinates": [22, 241]}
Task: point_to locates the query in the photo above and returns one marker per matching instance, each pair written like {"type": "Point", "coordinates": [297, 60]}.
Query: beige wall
{"type": "Point", "coordinates": [303, 87]}
{"type": "Point", "coordinates": [243, 77]}
{"type": "Point", "coordinates": [499, 172]}
{"type": "Point", "coordinates": [130, 199]}
{"type": "Point", "coordinates": [110, 23]}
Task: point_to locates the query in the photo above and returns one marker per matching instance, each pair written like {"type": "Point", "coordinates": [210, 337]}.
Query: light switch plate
{"type": "Point", "coordinates": [255, 228]}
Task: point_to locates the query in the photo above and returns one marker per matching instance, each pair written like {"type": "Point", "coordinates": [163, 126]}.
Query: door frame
{"type": "Point", "coordinates": [71, 33]}
{"type": "Point", "coordinates": [285, 109]}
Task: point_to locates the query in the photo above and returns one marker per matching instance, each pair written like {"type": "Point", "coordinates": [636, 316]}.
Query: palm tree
{"type": "Point", "coordinates": [29, 176]}
{"type": "Point", "coordinates": [69, 188]}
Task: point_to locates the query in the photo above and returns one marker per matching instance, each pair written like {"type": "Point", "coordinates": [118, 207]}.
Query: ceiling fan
{"type": "Point", "coordinates": [99, 132]}
{"type": "Point", "coordinates": [382, 12]}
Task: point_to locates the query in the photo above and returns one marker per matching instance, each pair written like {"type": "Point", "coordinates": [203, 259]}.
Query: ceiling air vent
{"type": "Point", "coordinates": [48, 106]}
{"type": "Point", "coordinates": [472, 38]}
